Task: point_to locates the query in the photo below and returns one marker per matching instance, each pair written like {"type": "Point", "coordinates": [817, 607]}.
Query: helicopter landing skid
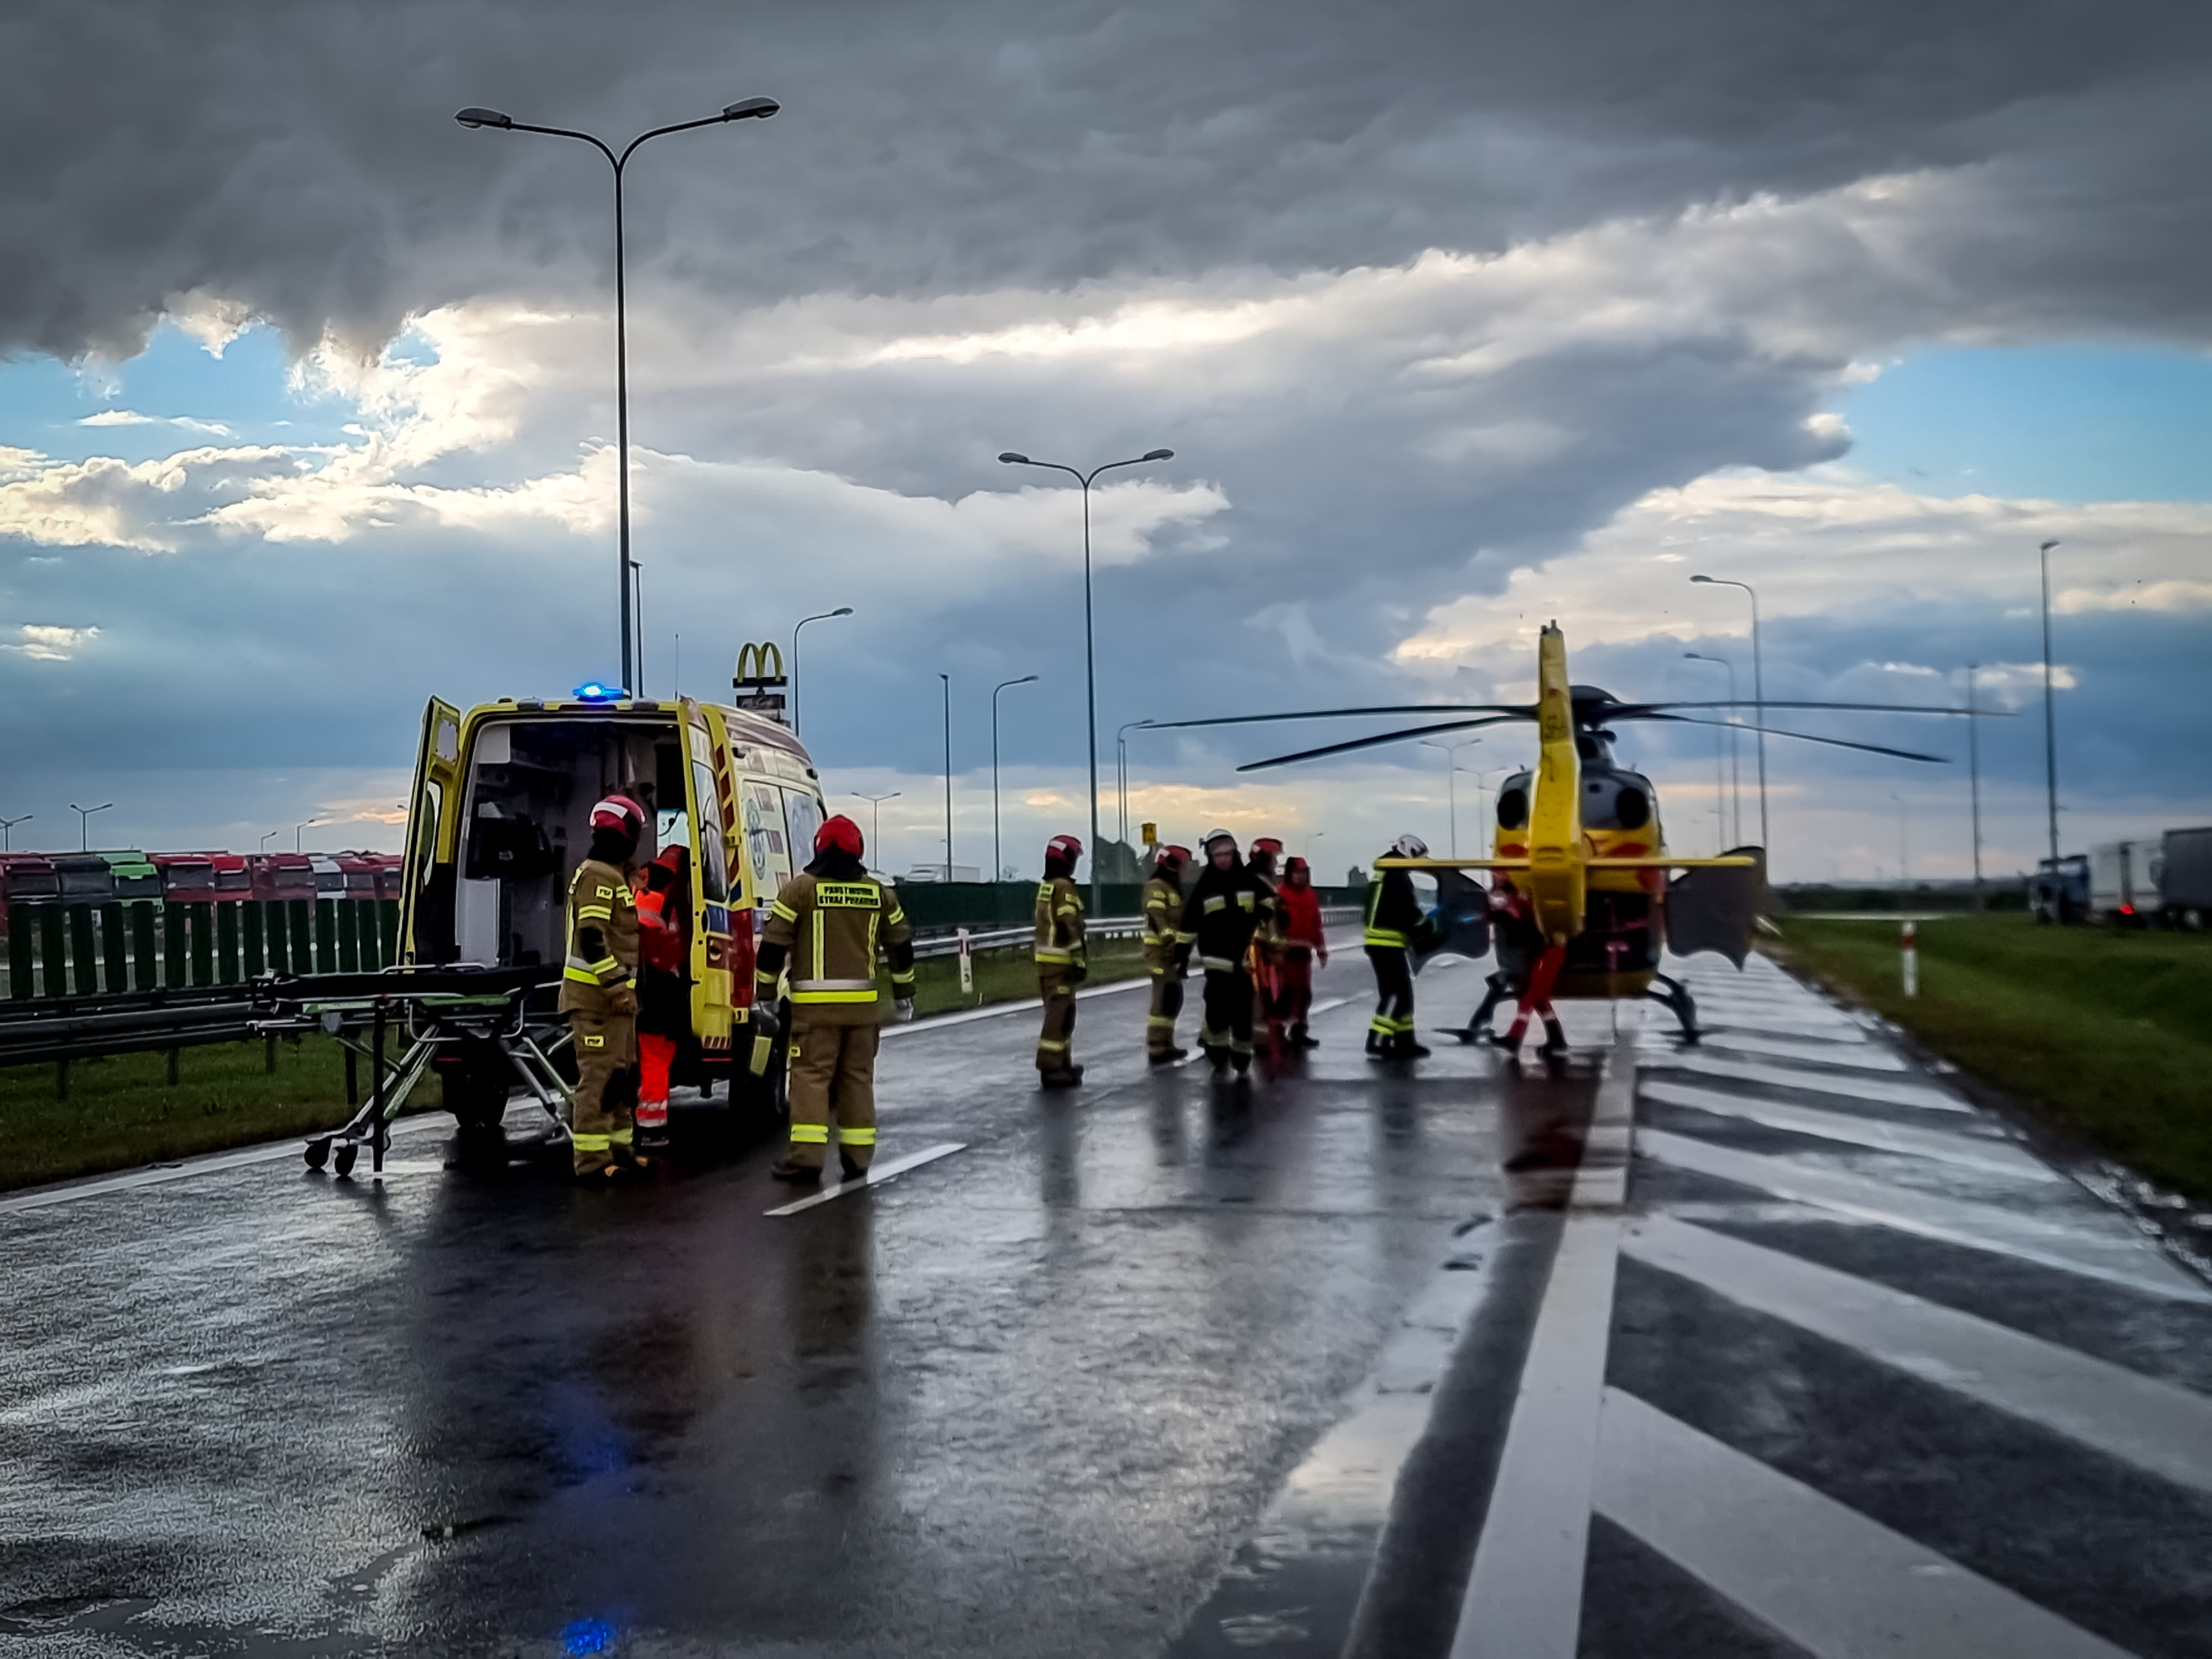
{"type": "Point", "coordinates": [1677, 997]}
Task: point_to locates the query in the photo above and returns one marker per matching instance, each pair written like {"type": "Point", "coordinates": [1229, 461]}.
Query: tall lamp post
{"type": "Point", "coordinates": [842, 610]}
{"type": "Point", "coordinates": [265, 834]}
{"type": "Point", "coordinates": [8, 831]}
{"type": "Point", "coordinates": [998, 853]}
{"type": "Point", "coordinates": [2050, 711]}
{"type": "Point", "coordinates": [84, 822]}
{"type": "Point", "coordinates": [745, 109]}
{"type": "Point", "coordinates": [1121, 771]}
{"type": "Point", "coordinates": [297, 828]}
{"type": "Point", "coordinates": [1758, 697]}
{"type": "Point", "coordinates": [1012, 457]}
{"type": "Point", "coordinates": [1307, 853]}
{"type": "Point", "coordinates": [1451, 782]}
{"type": "Point", "coordinates": [1735, 834]}
{"type": "Point", "coordinates": [876, 821]}
{"type": "Point", "coordinates": [947, 678]}
{"type": "Point", "coordinates": [1974, 777]}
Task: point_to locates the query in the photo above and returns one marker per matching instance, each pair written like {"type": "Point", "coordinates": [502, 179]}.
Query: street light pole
{"type": "Point", "coordinates": [746, 109]}
{"type": "Point", "coordinates": [297, 828]}
{"type": "Point", "coordinates": [1451, 782]}
{"type": "Point", "coordinates": [842, 610]}
{"type": "Point", "coordinates": [1013, 458]}
{"type": "Point", "coordinates": [1308, 854]}
{"type": "Point", "coordinates": [84, 822]}
{"type": "Point", "coordinates": [1121, 771]}
{"type": "Point", "coordinates": [947, 678]}
{"type": "Point", "coordinates": [876, 822]}
{"type": "Point", "coordinates": [8, 831]}
{"type": "Point", "coordinates": [265, 834]}
{"type": "Point", "coordinates": [1758, 697]}
{"type": "Point", "coordinates": [998, 853]}
{"type": "Point", "coordinates": [1974, 777]}
{"type": "Point", "coordinates": [2050, 711]}
{"type": "Point", "coordinates": [1734, 832]}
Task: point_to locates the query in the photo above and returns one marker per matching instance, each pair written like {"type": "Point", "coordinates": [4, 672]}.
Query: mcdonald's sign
{"type": "Point", "coordinates": [759, 667]}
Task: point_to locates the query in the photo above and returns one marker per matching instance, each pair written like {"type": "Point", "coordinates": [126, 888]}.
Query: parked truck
{"type": "Point", "coordinates": [2124, 882]}
{"type": "Point", "coordinates": [2058, 894]}
{"type": "Point", "coordinates": [2186, 880]}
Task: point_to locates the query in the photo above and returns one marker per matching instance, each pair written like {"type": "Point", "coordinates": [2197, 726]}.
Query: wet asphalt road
{"type": "Point", "coordinates": [1773, 1348]}
{"type": "Point", "coordinates": [1028, 1399]}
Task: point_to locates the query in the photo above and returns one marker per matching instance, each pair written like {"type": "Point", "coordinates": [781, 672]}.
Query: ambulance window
{"type": "Point", "coordinates": [711, 857]}
{"type": "Point", "coordinates": [422, 839]}
{"type": "Point", "coordinates": [802, 814]}
{"type": "Point", "coordinates": [764, 844]}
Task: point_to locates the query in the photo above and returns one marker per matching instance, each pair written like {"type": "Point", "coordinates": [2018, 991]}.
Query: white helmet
{"type": "Point", "coordinates": [1214, 836]}
{"type": "Point", "coordinates": [1409, 846]}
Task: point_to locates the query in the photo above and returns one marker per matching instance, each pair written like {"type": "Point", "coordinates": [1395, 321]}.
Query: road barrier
{"type": "Point", "coordinates": [120, 948]}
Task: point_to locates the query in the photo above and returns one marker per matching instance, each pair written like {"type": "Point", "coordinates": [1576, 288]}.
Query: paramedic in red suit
{"type": "Point", "coordinates": [1301, 945]}
{"type": "Point", "coordinates": [664, 988]}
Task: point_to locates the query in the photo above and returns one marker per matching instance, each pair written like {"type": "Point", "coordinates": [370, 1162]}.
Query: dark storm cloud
{"type": "Point", "coordinates": [300, 160]}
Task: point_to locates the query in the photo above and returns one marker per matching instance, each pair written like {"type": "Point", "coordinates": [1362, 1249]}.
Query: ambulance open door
{"type": "Point", "coordinates": [711, 964]}
{"type": "Point", "coordinates": [426, 888]}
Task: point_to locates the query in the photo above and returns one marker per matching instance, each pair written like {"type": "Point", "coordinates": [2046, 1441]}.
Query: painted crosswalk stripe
{"type": "Point", "coordinates": [1859, 1056]}
{"type": "Point", "coordinates": [1836, 1583]}
{"type": "Point", "coordinates": [1965, 1150]}
{"type": "Point", "coordinates": [2155, 1425]}
{"type": "Point", "coordinates": [875, 1177]}
{"type": "Point", "coordinates": [2113, 1256]}
{"type": "Point", "coordinates": [1882, 1090]}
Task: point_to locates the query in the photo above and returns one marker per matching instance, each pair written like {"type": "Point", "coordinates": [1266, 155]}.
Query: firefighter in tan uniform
{"type": "Point", "coordinates": [827, 925]}
{"type": "Point", "coordinates": [1167, 956]}
{"type": "Point", "coordinates": [598, 993]}
{"type": "Point", "coordinates": [1061, 964]}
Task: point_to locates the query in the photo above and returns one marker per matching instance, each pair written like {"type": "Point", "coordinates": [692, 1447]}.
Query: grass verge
{"type": "Point", "coordinates": [122, 1113]}
{"type": "Point", "coordinates": [2107, 1033]}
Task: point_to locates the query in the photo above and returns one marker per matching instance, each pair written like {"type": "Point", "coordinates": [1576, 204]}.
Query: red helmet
{"type": "Point", "coordinates": [621, 814]}
{"type": "Point", "coordinates": [840, 832]}
{"type": "Point", "coordinates": [1269, 845]}
{"type": "Point", "coordinates": [1066, 848]}
{"type": "Point", "coordinates": [1171, 853]}
{"type": "Point", "coordinates": [1295, 866]}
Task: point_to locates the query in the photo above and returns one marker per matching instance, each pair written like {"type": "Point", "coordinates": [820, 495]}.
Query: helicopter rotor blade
{"type": "Point", "coordinates": [1377, 742]}
{"type": "Point", "coordinates": [1803, 737]}
{"type": "Point", "coordinates": [1524, 711]}
{"type": "Point", "coordinates": [1636, 711]}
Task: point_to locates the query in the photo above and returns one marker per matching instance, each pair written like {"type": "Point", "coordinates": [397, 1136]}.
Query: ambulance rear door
{"type": "Point", "coordinates": [426, 890]}
{"type": "Point", "coordinates": [706, 784]}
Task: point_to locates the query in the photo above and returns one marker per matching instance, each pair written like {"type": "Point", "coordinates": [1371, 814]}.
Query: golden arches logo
{"type": "Point", "coordinates": [761, 664]}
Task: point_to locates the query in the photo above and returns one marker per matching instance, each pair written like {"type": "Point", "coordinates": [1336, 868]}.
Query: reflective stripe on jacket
{"type": "Point", "coordinates": [829, 930]}
{"type": "Point", "coordinates": [1059, 922]}
{"type": "Point", "coordinates": [602, 953]}
{"type": "Point", "coordinates": [1393, 912]}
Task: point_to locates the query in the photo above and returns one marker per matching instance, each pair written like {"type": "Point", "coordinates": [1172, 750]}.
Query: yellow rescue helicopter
{"type": "Point", "coordinates": [1582, 908]}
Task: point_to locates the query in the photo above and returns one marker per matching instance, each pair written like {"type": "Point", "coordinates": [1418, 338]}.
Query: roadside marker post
{"type": "Point", "coordinates": [967, 966]}
{"type": "Point", "coordinates": [1908, 941]}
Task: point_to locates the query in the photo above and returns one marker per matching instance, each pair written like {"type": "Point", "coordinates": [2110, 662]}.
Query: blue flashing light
{"type": "Point", "coordinates": [592, 692]}
{"type": "Point", "coordinates": [589, 1636]}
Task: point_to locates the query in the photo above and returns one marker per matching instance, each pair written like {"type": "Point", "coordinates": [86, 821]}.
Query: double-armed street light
{"type": "Point", "coordinates": [823, 616]}
{"type": "Point", "coordinates": [8, 831]}
{"type": "Point", "coordinates": [744, 110]}
{"type": "Point", "coordinates": [876, 823]}
{"type": "Point", "coordinates": [1451, 780]}
{"type": "Point", "coordinates": [998, 854]}
{"type": "Point", "coordinates": [1012, 457]}
{"type": "Point", "coordinates": [84, 822]}
{"type": "Point", "coordinates": [1757, 695]}
{"type": "Point", "coordinates": [2050, 713]}
{"type": "Point", "coordinates": [1733, 783]}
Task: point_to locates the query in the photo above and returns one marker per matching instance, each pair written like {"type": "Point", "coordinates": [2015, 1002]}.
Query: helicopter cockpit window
{"type": "Point", "coordinates": [1616, 800]}
{"type": "Point", "coordinates": [1513, 803]}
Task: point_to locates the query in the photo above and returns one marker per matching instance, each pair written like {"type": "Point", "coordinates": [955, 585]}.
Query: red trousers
{"type": "Point", "coordinates": [655, 1054]}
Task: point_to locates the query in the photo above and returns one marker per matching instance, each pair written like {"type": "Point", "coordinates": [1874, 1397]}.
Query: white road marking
{"type": "Point", "coordinates": [1829, 1579]}
{"type": "Point", "coordinates": [1325, 1004]}
{"type": "Point", "coordinates": [2155, 1425]}
{"type": "Point", "coordinates": [875, 1177]}
{"type": "Point", "coordinates": [1523, 1598]}
{"type": "Point", "coordinates": [1995, 1156]}
{"type": "Point", "coordinates": [211, 1163]}
{"type": "Point", "coordinates": [2114, 1256]}
{"type": "Point", "coordinates": [1879, 1089]}
{"type": "Point", "coordinates": [1861, 1057]}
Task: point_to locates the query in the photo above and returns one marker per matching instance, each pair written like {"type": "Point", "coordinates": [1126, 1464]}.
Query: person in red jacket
{"type": "Point", "coordinates": [663, 988]}
{"type": "Point", "coordinates": [1301, 945]}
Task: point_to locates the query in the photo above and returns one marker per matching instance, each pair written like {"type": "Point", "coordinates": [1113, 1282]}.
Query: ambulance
{"type": "Point", "coordinates": [500, 818]}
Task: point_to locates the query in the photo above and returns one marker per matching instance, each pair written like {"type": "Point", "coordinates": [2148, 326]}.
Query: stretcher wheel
{"type": "Point", "coordinates": [347, 1154]}
{"type": "Point", "coordinates": [317, 1153]}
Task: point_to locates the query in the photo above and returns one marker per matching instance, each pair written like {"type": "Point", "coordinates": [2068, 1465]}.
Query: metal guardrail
{"type": "Point", "coordinates": [1002, 939]}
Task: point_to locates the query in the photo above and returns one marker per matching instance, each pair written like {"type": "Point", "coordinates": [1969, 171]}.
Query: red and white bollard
{"type": "Point", "coordinates": [967, 966]}
{"type": "Point", "coordinates": [1909, 943]}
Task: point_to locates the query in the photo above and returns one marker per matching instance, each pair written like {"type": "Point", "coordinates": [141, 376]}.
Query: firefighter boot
{"type": "Point", "coordinates": [1063, 1076]}
{"type": "Point", "coordinates": [785, 1170]}
{"type": "Point", "coordinates": [846, 1169]}
{"type": "Point", "coordinates": [1302, 1038]}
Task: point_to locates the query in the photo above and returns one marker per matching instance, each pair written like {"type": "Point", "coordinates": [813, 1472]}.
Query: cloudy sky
{"type": "Point", "coordinates": [1459, 317]}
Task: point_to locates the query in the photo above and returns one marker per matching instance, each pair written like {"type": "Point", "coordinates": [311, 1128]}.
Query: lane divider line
{"type": "Point", "coordinates": [2158, 1426]}
{"type": "Point", "coordinates": [1524, 1597]}
{"type": "Point", "coordinates": [875, 1177]}
{"type": "Point", "coordinates": [1994, 1157]}
{"type": "Point", "coordinates": [1836, 1583]}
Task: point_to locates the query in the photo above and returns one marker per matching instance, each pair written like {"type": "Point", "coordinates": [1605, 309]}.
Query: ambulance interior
{"type": "Point", "coordinates": [526, 822]}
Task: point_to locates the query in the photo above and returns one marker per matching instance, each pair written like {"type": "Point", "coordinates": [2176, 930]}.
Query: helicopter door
{"type": "Point", "coordinates": [426, 887]}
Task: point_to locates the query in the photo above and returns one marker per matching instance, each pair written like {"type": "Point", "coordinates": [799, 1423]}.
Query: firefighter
{"type": "Point", "coordinates": [827, 924]}
{"type": "Point", "coordinates": [664, 990]}
{"type": "Point", "coordinates": [1061, 962]}
{"type": "Point", "coordinates": [1266, 955]}
{"type": "Point", "coordinates": [1165, 957]}
{"type": "Point", "coordinates": [598, 994]}
{"type": "Point", "coordinates": [1221, 914]}
{"type": "Point", "coordinates": [1303, 944]}
{"type": "Point", "coordinates": [1395, 920]}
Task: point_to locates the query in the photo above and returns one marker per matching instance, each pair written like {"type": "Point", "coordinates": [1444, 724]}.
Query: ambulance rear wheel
{"type": "Point", "coordinates": [344, 1161]}
{"type": "Point", "coordinates": [317, 1153]}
